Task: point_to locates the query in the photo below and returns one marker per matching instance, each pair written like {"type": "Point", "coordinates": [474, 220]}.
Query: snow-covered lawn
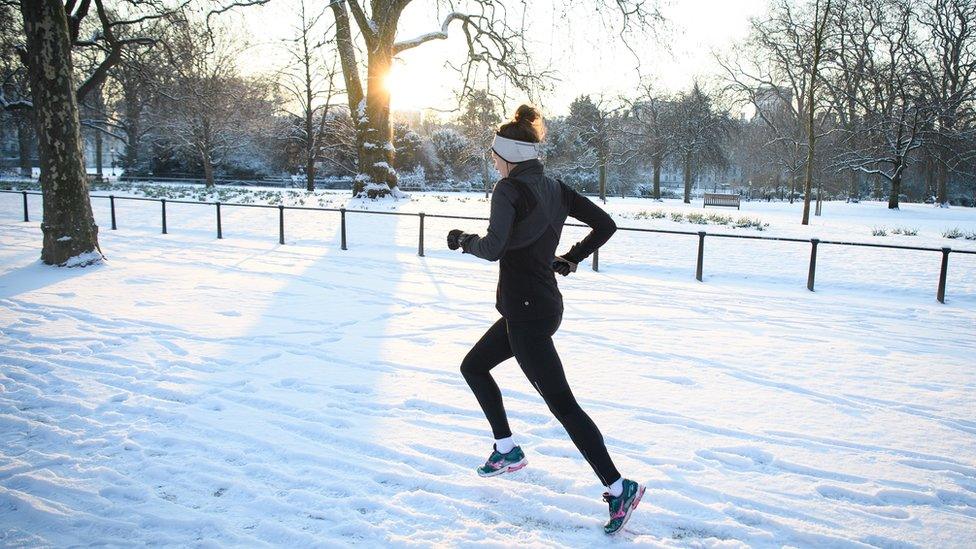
{"type": "Point", "coordinates": [238, 392]}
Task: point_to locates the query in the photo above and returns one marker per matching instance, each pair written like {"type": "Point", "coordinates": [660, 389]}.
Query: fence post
{"type": "Point", "coordinates": [420, 244]}
{"type": "Point", "coordinates": [596, 260]}
{"type": "Point", "coordinates": [111, 202]}
{"type": "Point", "coordinates": [342, 211]}
{"type": "Point", "coordinates": [281, 224]}
{"type": "Point", "coordinates": [942, 274]}
{"type": "Point", "coordinates": [26, 217]}
{"type": "Point", "coordinates": [813, 263]}
{"type": "Point", "coordinates": [163, 201]}
{"type": "Point", "coordinates": [701, 255]}
{"type": "Point", "coordinates": [220, 228]}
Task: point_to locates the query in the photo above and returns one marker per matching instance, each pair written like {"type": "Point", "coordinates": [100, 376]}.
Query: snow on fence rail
{"type": "Point", "coordinates": [811, 274]}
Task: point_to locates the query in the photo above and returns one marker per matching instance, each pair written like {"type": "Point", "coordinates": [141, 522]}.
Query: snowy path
{"type": "Point", "coordinates": [243, 393]}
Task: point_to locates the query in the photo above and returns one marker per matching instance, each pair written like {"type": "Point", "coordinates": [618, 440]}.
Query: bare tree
{"type": "Point", "coordinates": [496, 50]}
{"type": "Point", "coordinates": [947, 70]}
{"type": "Point", "coordinates": [595, 128]}
{"type": "Point", "coordinates": [309, 81]}
{"type": "Point", "coordinates": [771, 72]}
{"type": "Point", "coordinates": [479, 120]}
{"type": "Point", "coordinates": [699, 134]}
{"type": "Point", "coordinates": [52, 31]}
{"type": "Point", "coordinates": [209, 109]}
{"type": "Point", "coordinates": [821, 15]}
{"type": "Point", "coordinates": [15, 86]}
{"type": "Point", "coordinates": [656, 124]}
{"type": "Point", "coordinates": [69, 227]}
{"type": "Point", "coordinates": [894, 112]}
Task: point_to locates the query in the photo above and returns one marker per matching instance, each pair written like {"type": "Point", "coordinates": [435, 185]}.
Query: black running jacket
{"type": "Point", "coordinates": [528, 210]}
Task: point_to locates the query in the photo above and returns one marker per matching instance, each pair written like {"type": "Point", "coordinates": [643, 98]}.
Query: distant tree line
{"type": "Point", "coordinates": [824, 99]}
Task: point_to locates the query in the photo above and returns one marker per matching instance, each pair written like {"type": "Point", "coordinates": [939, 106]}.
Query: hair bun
{"type": "Point", "coordinates": [527, 113]}
{"type": "Point", "coordinates": [526, 125]}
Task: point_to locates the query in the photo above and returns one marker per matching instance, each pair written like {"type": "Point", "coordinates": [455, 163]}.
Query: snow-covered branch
{"type": "Point", "coordinates": [438, 35]}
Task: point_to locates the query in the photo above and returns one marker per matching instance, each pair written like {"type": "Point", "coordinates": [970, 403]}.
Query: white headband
{"type": "Point", "coordinates": [513, 151]}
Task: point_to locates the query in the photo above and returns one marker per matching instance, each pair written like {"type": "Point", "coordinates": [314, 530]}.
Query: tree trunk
{"type": "Point", "coordinates": [69, 227]}
{"type": "Point", "coordinates": [376, 132]}
{"type": "Point", "coordinates": [819, 209]}
{"type": "Point", "coordinates": [603, 182]}
{"type": "Point", "coordinates": [792, 185]}
{"type": "Point", "coordinates": [657, 177]}
{"type": "Point", "coordinates": [310, 144]}
{"type": "Point", "coordinates": [98, 154]}
{"type": "Point", "coordinates": [133, 110]}
{"type": "Point", "coordinates": [206, 152]}
{"type": "Point", "coordinates": [942, 176]}
{"type": "Point", "coordinates": [854, 192]}
{"type": "Point", "coordinates": [484, 172]}
{"type": "Point", "coordinates": [895, 191]}
{"type": "Point", "coordinates": [811, 105]}
{"type": "Point", "coordinates": [310, 173]}
{"type": "Point", "coordinates": [208, 171]}
{"type": "Point", "coordinates": [24, 138]}
{"type": "Point", "coordinates": [687, 179]}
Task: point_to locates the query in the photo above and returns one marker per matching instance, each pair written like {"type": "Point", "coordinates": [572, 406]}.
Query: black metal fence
{"type": "Point", "coordinates": [811, 274]}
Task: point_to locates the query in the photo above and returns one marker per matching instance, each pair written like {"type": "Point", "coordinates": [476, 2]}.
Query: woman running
{"type": "Point", "coordinates": [528, 210]}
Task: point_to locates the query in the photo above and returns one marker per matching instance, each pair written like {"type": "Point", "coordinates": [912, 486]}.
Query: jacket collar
{"type": "Point", "coordinates": [527, 168]}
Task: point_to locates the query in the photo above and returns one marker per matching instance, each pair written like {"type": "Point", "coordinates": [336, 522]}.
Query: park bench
{"type": "Point", "coordinates": [713, 199]}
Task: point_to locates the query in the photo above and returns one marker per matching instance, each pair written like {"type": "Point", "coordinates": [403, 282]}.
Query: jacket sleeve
{"type": "Point", "coordinates": [493, 245]}
{"type": "Point", "coordinates": [600, 222]}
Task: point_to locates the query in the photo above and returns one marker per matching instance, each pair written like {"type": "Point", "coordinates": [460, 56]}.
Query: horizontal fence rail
{"type": "Point", "coordinates": [699, 268]}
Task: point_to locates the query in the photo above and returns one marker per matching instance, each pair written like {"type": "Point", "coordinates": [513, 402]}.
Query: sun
{"type": "Point", "coordinates": [412, 88]}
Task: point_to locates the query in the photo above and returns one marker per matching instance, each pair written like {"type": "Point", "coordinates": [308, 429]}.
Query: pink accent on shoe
{"type": "Point", "coordinates": [638, 498]}
{"type": "Point", "coordinates": [516, 467]}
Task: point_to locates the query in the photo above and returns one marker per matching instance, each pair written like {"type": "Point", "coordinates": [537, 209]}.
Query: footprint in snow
{"type": "Point", "coordinates": [229, 313]}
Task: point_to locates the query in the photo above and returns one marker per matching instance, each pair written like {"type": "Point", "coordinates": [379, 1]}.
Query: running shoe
{"type": "Point", "coordinates": [499, 463]}
{"type": "Point", "coordinates": [622, 506]}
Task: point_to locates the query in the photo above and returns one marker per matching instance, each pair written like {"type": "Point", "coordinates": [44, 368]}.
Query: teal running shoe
{"type": "Point", "coordinates": [499, 463]}
{"type": "Point", "coordinates": [622, 506]}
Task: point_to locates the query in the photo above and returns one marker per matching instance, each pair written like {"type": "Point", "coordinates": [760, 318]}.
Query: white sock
{"type": "Point", "coordinates": [616, 488]}
{"type": "Point", "coordinates": [504, 445]}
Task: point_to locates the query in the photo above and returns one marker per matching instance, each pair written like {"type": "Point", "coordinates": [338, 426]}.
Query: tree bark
{"type": "Point", "coordinates": [603, 182]}
{"type": "Point", "coordinates": [942, 176]}
{"type": "Point", "coordinates": [657, 177]}
{"type": "Point", "coordinates": [98, 154]}
{"type": "Point", "coordinates": [376, 133]}
{"type": "Point", "coordinates": [818, 33]}
{"type": "Point", "coordinates": [24, 138]}
{"type": "Point", "coordinates": [895, 191]}
{"type": "Point", "coordinates": [68, 227]}
{"type": "Point", "coordinates": [687, 179]}
{"type": "Point", "coordinates": [133, 110]}
{"type": "Point", "coordinates": [208, 171]}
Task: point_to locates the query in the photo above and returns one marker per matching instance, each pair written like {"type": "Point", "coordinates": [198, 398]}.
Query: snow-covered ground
{"type": "Point", "coordinates": [238, 392]}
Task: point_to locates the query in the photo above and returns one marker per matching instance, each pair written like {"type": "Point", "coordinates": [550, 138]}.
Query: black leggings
{"type": "Point", "coordinates": [530, 342]}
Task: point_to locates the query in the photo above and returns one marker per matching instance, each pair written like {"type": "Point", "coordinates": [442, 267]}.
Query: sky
{"type": "Point", "coordinates": [584, 56]}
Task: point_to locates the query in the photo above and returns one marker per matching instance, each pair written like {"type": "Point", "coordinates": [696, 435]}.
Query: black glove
{"type": "Point", "coordinates": [455, 238]}
{"type": "Point", "coordinates": [563, 266]}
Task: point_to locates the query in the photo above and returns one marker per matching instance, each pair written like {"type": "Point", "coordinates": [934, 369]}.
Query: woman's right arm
{"type": "Point", "coordinates": [600, 222]}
